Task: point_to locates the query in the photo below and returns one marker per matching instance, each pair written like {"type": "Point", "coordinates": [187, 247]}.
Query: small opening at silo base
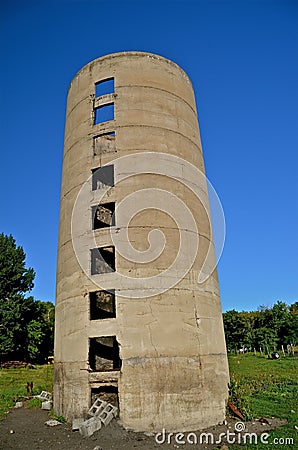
{"type": "Point", "coordinates": [104, 87]}
{"type": "Point", "coordinates": [103, 216]}
{"type": "Point", "coordinates": [104, 113]}
{"type": "Point", "coordinates": [103, 177]}
{"type": "Point", "coordinates": [105, 393]}
{"type": "Point", "coordinates": [102, 260]}
{"type": "Point", "coordinates": [102, 305]}
{"type": "Point", "coordinates": [104, 354]}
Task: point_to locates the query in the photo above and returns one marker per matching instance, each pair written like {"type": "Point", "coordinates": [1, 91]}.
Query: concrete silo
{"type": "Point", "coordinates": [138, 314]}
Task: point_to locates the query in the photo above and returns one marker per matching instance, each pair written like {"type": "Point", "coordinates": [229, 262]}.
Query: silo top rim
{"type": "Point", "coordinates": [132, 53]}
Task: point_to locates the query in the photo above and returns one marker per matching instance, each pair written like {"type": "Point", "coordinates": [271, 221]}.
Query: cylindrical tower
{"type": "Point", "coordinates": [138, 314]}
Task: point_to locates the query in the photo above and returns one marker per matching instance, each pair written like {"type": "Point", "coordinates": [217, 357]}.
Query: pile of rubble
{"type": "Point", "coordinates": [16, 365]}
{"type": "Point", "coordinates": [101, 412]}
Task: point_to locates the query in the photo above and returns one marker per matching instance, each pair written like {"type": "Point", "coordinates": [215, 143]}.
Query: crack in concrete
{"type": "Point", "coordinates": [198, 320]}
{"type": "Point", "coordinates": [149, 329]}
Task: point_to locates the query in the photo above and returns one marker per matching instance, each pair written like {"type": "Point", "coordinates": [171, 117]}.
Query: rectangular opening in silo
{"type": "Point", "coordinates": [107, 394]}
{"type": "Point", "coordinates": [104, 87]}
{"type": "Point", "coordinates": [103, 177]}
{"type": "Point", "coordinates": [104, 143]}
{"type": "Point", "coordinates": [103, 216]}
{"type": "Point", "coordinates": [104, 354]}
{"type": "Point", "coordinates": [104, 113]}
{"type": "Point", "coordinates": [102, 305]}
{"type": "Point", "coordinates": [102, 260]}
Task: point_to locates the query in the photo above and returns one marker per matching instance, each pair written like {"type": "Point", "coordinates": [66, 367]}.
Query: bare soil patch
{"type": "Point", "coordinates": [25, 429]}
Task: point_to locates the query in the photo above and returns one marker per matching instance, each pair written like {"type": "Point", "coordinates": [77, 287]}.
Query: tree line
{"type": "Point", "coordinates": [26, 325]}
{"type": "Point", "coordinates": [269, 328]}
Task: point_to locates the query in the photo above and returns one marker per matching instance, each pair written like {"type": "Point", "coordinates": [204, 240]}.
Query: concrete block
{"type": "Point", "coordinates": [97, 407]}
{"type": "Point", "coordinates": [89, 426]}
{"type": "Point", "coordinates": [107, 414]}
{"type": "Point", "coordinates": [46, 405]}
{"type": "Point", "coordinates": [110, 408]}
{"type": "Point", "coordinates": [44, 396]}
{"type": "Point", "coordinates": [106, 417]}
{"type": "Point", "coordinates": [76, 423]}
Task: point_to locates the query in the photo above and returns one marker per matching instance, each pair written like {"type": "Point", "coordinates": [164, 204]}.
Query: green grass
{"type": "Point", "coordinates": [272, 387]}
{"type": "Point", "coordinates": [13, 384]}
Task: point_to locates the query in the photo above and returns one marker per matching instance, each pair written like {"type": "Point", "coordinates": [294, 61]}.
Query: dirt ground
{"type": "Point", "coordinates": [25, 429]}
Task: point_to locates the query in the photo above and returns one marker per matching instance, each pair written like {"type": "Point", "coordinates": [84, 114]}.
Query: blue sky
{"type": "Point", "coordinates": [242, 58]}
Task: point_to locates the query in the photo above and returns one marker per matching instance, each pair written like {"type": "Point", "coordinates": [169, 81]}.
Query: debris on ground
{"type": "Point", "coordinates": [89, 426]}
{"type": "Point", "coordinates": [264, 421]}
{"type": "Point", "coordinates": [100, 413]}
{"type": "Point", "coordinates": [44, 396]}
{"type": "Point", "coordinates": [76, 423]}
{"type": "Point", "coordinates": [16, 365]}
{"type": "Point", "coordinates": [235, 410]}
{"type": "Point", "coordinates": [46, 405]}
{"type": "Point", "coordinates": [19, 405]}
{"type": "Point", "coordinates": [52, 423]}
{"type": "Point", "coordinates": [149, 434]}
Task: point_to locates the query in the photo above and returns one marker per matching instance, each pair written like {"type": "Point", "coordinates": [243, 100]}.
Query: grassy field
{"type": "Point", "coordinates": [269, 388]}
{"type": "Point", "coordinates": [261, 388]}
{"type": "Point", "coordinates": [13, 384]}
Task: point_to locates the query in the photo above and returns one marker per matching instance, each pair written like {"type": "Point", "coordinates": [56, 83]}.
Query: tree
{"type": "Point", "coordinates": [289, 328]}
{"type": "Point", "coordinates": [238, 329]}
{"type": "Point", "coordinates": [36, 331]}
{"type": "Point", "coordinates": [267, 327]}
{"type": "Point", "coordinates": [45, 311]}
{"type": "Point", "coordinates": [265, 337]}
{"type": "Point", "coordinates": [14, 277]}
{"type": "Point", "coordinates": [25, 327]}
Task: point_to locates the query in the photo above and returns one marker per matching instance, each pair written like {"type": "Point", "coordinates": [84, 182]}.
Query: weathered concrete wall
{"type": "Point", "coordinates": [174, 371]}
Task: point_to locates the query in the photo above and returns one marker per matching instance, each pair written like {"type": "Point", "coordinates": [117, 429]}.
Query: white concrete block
{"type": "Point", "coordinates": [107, 414]}
{"type": "Point", "coordinates": [76, 423]}
{"type": "Point", "coordinates": [44, 395]}
{"type": "Point", "coordinates": [46, 405]}
{"type": "Point", "coordinates": [88, 427]}
{"type": "Point", "coordinates": [97, 407]}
